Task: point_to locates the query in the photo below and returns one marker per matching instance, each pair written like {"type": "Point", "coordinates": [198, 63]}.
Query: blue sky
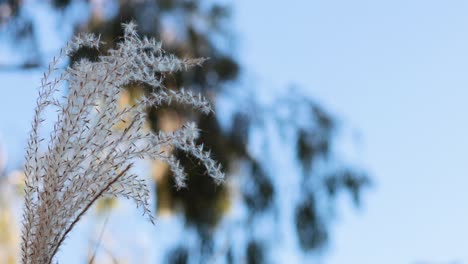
{"type": "Point", "coordinates": [397, 72]}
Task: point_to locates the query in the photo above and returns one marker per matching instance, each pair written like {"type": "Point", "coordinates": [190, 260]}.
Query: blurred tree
{"type": "Point", "coordinates": [191, 28]}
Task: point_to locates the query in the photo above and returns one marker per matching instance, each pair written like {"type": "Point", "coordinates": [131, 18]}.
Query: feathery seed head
{"type": "Point", "coordinates": [86, 157]}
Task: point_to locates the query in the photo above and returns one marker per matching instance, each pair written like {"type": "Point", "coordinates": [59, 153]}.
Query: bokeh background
{"type": "Point", "coordinates": [340, 124]}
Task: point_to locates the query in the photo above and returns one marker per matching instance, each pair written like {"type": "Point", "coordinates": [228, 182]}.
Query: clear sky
{"type": "Point", "coordinates": [397, 71]}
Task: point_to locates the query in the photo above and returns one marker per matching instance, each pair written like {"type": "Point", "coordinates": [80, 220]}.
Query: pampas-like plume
{"type": "Point", "coordinates": [85, 157]}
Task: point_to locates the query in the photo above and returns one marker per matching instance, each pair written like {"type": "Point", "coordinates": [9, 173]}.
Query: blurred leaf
{"type": "Point", "coordinates": [258, 192]}
{"type": "Point", "coordinates": [255, 253]}
{"type": "Point", "coordinates": [311, 231]}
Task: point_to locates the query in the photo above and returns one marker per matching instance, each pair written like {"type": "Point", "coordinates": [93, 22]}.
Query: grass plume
{"type": "Point", "coordinates": [85, 158]}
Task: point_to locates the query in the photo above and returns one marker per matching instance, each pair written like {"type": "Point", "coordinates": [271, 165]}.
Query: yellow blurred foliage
{"type": "Point", "coordinates": [9, 235]}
